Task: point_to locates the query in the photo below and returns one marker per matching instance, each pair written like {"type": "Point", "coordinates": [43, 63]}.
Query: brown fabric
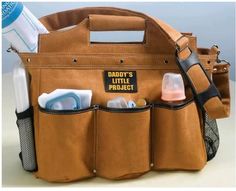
{"type": "Point", "coordinates": [65, 146]}
{"type": "Point", "coordinates": [221, 81]}
{"type": "Point", "coordinates": [192, 41]}
{"type": "Point", "coordinates": [214, 107]}
{"type": "Point", "coordinates": [178, 141]}
{"type": "Point", "coordinates": [114, 145]}
{"type": "Point", "coordinates": [122, 144]}
{"type": "Point", "coordinates": [166, 36]}
{"type": "Point", "coordinates": [115, 23]}
{"type": "Point", "coordinates": [201, 82]}
{"type": "Point", "coordinates": [77, 39]}
{"type": "Point", "coordinates": [73, 17]}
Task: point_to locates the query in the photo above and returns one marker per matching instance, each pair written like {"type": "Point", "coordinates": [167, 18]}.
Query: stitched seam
{"type": "Point", "coordinates": [96, 141]}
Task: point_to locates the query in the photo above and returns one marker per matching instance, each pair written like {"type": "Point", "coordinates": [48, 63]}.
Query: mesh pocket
{"type": "Point", "coordinates": [212, 138]}
{"type": "Point", "coordinates": [26, 132]}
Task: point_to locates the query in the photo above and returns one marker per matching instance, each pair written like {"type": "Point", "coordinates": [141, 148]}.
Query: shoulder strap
{"type": "Point", "coordinates": [207, 95]}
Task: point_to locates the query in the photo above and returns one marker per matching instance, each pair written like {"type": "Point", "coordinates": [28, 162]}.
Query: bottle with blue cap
{"type": "Point", "coordinates": [20, 27]}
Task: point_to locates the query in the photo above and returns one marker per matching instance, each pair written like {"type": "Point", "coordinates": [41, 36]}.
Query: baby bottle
{"type": "Point", "coordinates": [172, 87]}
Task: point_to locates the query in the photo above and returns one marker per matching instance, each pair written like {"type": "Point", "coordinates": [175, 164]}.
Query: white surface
{"type": "Point", "coordinates": [217, 173]}
{"type": "Point", "coordinates": [20, 83]}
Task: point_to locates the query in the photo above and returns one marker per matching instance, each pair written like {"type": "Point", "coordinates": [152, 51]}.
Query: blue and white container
{"type": "Point", "coordinates": [20, 27]}
{"type": "Point", "coordinates": [66, 99]}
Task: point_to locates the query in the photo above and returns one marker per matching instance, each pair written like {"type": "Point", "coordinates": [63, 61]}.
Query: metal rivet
{"type": "Point", "coordinates": [121, 61]}
{"type": "Point", "coordinates": [94, 171]}
{"type": "Point", "coordinates": [28, 60]}
{"type": "Point", "coordinates": [74, 60]}
{"type": "Point", "coordinates": [166, 61]}
{"type": "Point", "coordinates": [215, 69]}
{"type": "Point", "coordinates": [225, 69]}
{"type": "Point", "coordinates": [151, 165]}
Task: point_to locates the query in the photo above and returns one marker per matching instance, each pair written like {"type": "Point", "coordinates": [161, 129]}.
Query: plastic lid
{"type": "Point", "coordinates": [10, 12]}
{"type": "Point", "coordinates": [69, 101]}
{"type": "Point", "coordinates": [118, 102]}
{"type": "Point", "coordinates": [173, 87]}
{"type": "Point", "coordinates": [131, 104]}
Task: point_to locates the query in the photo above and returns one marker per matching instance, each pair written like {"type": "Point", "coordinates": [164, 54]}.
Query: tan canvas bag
{"type": "Point", "coordinates": [122, 143]}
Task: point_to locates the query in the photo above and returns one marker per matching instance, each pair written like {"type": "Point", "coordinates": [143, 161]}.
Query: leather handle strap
{"type": "Point", "coordinates": [116, 23]}
{"type": "Point", "coordinates": [207, 95]}
{"type": "Point", "coordinates": [68, 18]}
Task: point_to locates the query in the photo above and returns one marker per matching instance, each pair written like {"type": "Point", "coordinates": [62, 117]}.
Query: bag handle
{"type": "Point", "coordinates": [68, 18]}
{"type": "Point", "coordinates": [207, 95]}
{"type": "Point", "coordinates": [116, 23]}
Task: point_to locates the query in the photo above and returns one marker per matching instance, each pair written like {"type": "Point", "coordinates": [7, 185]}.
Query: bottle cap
{"type": "Point", "coordinates": [141, 102]}
{"type": "Point", "coordinates": [10, 12]}
{"type": "Point", "coordinates": [131, 104]}
{"type": "Point", "coordinates": [173, 87]}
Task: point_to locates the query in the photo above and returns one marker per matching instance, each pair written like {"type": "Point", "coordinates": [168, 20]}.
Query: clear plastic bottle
{"type": "Point", "coordinates": [173, 87]}
{"type": "Point", "coordinates": [20, 27]}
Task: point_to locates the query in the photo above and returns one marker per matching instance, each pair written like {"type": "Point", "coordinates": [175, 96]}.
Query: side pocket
{"type": "Point", "coordinates": [178, 140]}
{"type": "Point", "coordinates": [65, 145]}
{"type": "Point", "coordinates": [212, 137]}
{"type": "Point", "coordinates": [26, 133]}
{"type": "Point", "coordinates": [123, 137]}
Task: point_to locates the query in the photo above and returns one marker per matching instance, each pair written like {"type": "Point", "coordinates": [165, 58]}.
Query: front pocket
{"type": "Point", "coordinates": [122, 142]}
{"type": "Point", "coordinates": [177, 140]}
{"type": "Point", "coordinates": [65, 145]}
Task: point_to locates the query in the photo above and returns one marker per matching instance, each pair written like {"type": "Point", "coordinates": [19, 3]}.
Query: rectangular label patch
{"type": "Point", "coordinates": [120, 81]}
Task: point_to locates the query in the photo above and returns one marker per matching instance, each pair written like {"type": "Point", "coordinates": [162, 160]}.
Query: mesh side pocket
{"type": "Point", "coordinates": [26, 133]}
{"type": "Point", "coordinates": [212, 138]}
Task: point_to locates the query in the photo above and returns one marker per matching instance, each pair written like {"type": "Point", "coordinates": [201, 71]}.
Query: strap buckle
{"type": "Point", "coordinates": [178, 46]}
{"type": "Point", "coordinates": [218, 60]}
